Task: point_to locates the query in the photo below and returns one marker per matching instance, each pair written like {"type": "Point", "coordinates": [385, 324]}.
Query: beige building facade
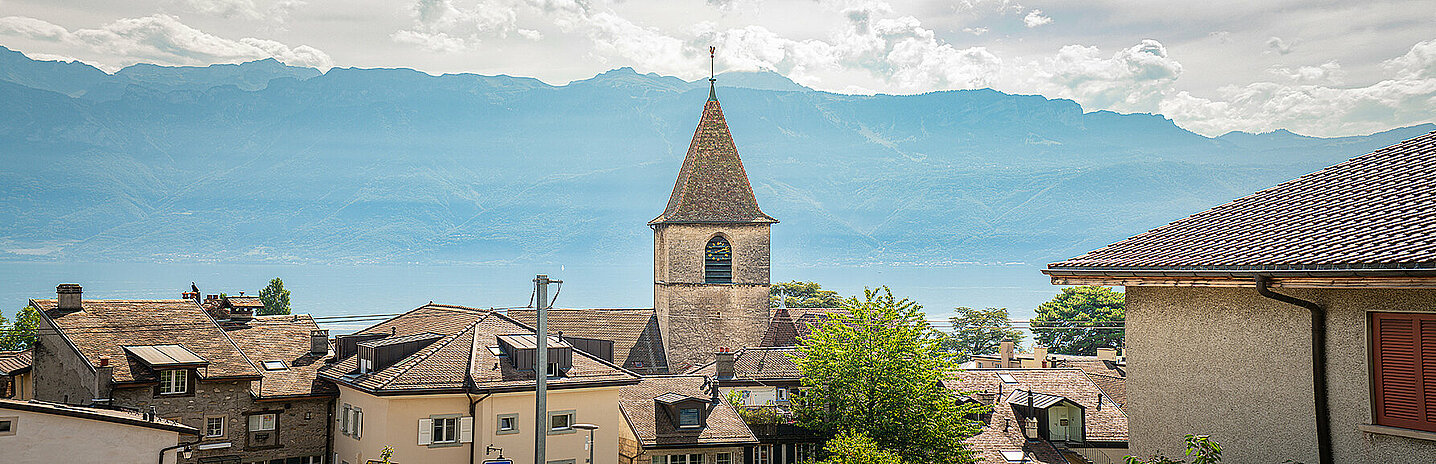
{"type": "Point", "coordinates": [40, 432]}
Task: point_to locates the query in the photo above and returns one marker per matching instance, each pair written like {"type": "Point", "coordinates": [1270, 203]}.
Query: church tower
{"type": "Point", "coordinates": [710, 251]}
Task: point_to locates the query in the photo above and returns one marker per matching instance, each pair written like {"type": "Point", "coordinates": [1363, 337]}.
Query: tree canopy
{"type": "Point", "coordinates": [21, 334]}
{"type": "Point", "coordinates": [1081, 319]}
{"type": "Point", "coordinates": [876, 370]}
{"type": "Point", "coordinates": [857, 448]}
{"type": "Point", "coordinates": [802, 295]}
{"type": "Point", "coordinates": [979, 331]}
{"type": "Point", "coordinates": [275, 298]}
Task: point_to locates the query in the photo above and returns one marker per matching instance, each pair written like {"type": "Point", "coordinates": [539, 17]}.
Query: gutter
{"type": "Point", "coordinates": [1318, 364]}
{"type": "Point", "coordinates": [474, 444]}
{"type": "Point", "coordinates": [1238, 272]}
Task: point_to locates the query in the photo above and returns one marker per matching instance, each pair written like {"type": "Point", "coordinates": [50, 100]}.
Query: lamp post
{"type": "Point", "coordinates": [590, 428]}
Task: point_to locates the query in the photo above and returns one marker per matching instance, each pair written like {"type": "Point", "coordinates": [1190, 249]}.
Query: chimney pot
{"type": "Point", "coordinates": [723, 367]}
{"type": "Point", "coordinates": [68, 296]}
{"type": "Point", "coordinates": [104, 361]}
{"type": "Point", "coordinates": [1039, 355]}
{"type": "Point", "coordinates": [319, 342]}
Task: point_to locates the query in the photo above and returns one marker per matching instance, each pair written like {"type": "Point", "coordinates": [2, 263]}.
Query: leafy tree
{"type": "Point", "coordinates": [275, 298]}
{"type": "Point", "coordinates": [876, 370]}
{"type": "Point", "coordinates": [980, 331]}
{"type": "Point", "coordinates": [1097, 312]}
{"type": "Point", "coordinates": [21, 334]}
{"type": "Point", "coordinates": [857, 448]}
{"type": "Point", "coordinates": [1200, 448]}
{"type": "Point", "coordinates": [802, 295]}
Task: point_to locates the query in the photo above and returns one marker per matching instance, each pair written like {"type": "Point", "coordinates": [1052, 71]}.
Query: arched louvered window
{"type": "Point", "coordinates": [718, 262]}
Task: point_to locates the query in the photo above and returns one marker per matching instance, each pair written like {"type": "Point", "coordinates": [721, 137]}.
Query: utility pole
{"type": "Point", "coordinates": [541, 368]}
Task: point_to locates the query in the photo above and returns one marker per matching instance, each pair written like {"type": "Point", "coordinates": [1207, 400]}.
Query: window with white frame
{"type": "Point", "coordinates": [679, 459]}
{"type": "Point", "coordinates": [560, 422]}
{"type": "Point", "coordinates": [805, 451]}
{"type": "Point", "coordinates": [344, 419]}
{"type": "Point", "coordinates": [723, 458]}
{"type": "Point", "coordinates": [508, 423]}
{"type": "Point", "coordinates": [356, 423]}
{"type": "Point", "coordinates": [553, 370]}
{"type": "Point", "coordinates": [782, 394]}
{"type": "Point", "coordinates": [173, 381]}
{"type": "Point", "coordinates": [214, 427]}
{"type": "Point", "coordinates": [263, 422]}
{"type": "Point", "coordinates": [445, 430]}
{"type": "Point", "coordinates": [763, 454]}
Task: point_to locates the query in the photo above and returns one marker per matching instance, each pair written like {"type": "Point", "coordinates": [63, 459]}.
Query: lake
{"type": "Point", "coordinates": [331, 290]}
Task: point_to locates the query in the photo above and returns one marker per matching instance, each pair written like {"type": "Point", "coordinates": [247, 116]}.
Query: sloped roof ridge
{"type": "Point", "coordinates": [411, 361]}
{"type": "Point", "coordinates": [712, 185]}
{"type": "Point", "coordinates": [581, 352]}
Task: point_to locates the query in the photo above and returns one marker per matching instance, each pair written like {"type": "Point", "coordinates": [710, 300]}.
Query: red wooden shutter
{"type": "Point", "coordinates": [1405, 361]}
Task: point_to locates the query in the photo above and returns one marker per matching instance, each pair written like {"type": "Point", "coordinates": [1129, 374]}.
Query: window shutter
{"type": "Point", "coordinates": [1404, 347]}
{"type": "Point", "coordinates": [358, 422]}
{"type": "Point", "coordinates": [426, 431]}
{"type": "Point", "coordinates": [466, 430]}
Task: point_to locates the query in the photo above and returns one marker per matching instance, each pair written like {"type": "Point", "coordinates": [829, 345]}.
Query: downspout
{"type": "Point", "coordinates": [329, 430]}
{"type": "Point", "coordinates": [472, 404]}
{"type": "Point", "coordinates": [1318, 365]}
{"type": "Point", "coordinates": [179, 446]}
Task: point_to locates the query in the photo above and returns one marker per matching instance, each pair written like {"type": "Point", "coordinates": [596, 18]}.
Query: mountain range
{"type": "Point", "coordinates": [266, 163]}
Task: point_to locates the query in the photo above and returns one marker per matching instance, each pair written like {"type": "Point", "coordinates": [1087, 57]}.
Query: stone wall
{"type": "Point", "coordinates": [678, 251]}
{"type": "Point", "coordinates": [697, 318]}
{"type": "Point", "coordinates": [61, 374]}
{"type": "Point", "coordinates": [297, 436]}
{"type": "Point", "coordinates": [1231, 363]}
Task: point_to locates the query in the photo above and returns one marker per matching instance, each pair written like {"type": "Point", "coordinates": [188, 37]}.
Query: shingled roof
{"type": "Point", "coordinates": [1104, 424]}
{"type": "Point", "coordinates": [712, 186]}
{"type": "Point", "coordinates": [462, 359]}
{"type": "Point", "coordinates": [724, 426]}
{"type": "Point", "coordinates": [281, 338]}
{"type": "Point", "coordinates": [105, 327]}
{"type": "Point", "coordinates": [15, 362]}
{"type": "Point", "coordinates": [764, 365]}
{"type": "Point", "coordinates": [1375, 212]}
{"type": "Point", "coordinates": [637, 341]}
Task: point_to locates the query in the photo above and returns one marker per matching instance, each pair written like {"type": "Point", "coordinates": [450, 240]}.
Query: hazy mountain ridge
{"type": "Point", "coordinates": [261, 162]}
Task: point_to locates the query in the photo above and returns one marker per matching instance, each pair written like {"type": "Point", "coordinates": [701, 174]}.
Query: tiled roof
{"type": "Point", "coordinates": [281, 338]}
{"type": "Point", "coordinates": [15, 362]}
{"type": "Point", "coordinates": [106, 415]}
{"type": "Point", "coordinates": [1375, 211]}
{"type": "Point", "coordinates": [462, 355]}
{"type": "Point", "coordinates": [1104, 424]}
{"type": "Point", "coordinates": [760, 363]}
{"type": "Point", "coordinates": [251, 302]}
{"type": "Point", "coordinates": [658, 430]}
{"type": "Point", "coordinates": [637, 343]}
{"type": "Point", "coordinates": [805, 319]}
{"type": "Point", "coordinates": [1114, 387]}
{"type": "Point", "coordinates": [712, 185]}
{"type": "Point", "coordinates": [103, 327]}
{"type": "Point", "coordinates": [782, 331]}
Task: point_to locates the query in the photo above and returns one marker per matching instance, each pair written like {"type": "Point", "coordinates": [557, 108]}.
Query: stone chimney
{"type": "Point", "coordinates": [319, 342]}
{"type": "Point", "coordinates": [1107, 354]}
{"type": "Point", "coordinates": [1004, 353]}
{"type": "Point", "coordinates": [1039, 355]}
{"type": "Point", "coordinates": [724, 364]}
{"type": "Point", "coordinates": [104, 379]}
{"type": "Point", "coordinates": [69, 296]}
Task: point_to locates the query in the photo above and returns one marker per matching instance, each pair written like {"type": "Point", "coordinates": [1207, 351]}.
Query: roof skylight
{"type": "Point", "coordinates": [274, 365]}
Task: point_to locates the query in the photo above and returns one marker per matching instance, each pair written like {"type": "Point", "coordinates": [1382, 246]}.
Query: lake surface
{"type": "Point", "coordinates": [324, 290]}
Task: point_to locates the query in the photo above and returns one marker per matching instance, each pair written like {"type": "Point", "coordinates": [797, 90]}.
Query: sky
{"type": "Point", "coordinates": [1322, 68]}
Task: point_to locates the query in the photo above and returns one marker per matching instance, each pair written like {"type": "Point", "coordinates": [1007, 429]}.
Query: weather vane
{"type": "Point", "coordinates": [712, 73]}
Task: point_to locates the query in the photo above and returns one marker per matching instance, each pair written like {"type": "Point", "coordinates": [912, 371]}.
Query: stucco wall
{"type": "Point", "coordinates": [61, 375]}
{"type": "Point", "coordinates": [1230, 363]}
{"type": "Point", "coordinates": [297, 436]}
{"type": "Point", "coordinates": [393, 421]}
{"type": "Point", "coordinates": [48, 438]}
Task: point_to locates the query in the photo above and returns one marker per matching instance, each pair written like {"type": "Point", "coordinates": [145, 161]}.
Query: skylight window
{"type": "Point", "coordinates": [274, 366]}
{"type": "Point", "coordinates": [1014, 456]}
{"type": "Point", "coordinates": [1007, 378]}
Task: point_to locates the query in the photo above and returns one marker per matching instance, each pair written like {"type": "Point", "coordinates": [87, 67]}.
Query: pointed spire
{"type": "Point", "coordinates": [712, 186]}
{"type": "Point", "coordinates": [712, 73]}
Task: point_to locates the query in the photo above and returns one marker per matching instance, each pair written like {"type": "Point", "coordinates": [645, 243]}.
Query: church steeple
{"type": "Point", "coordinates": [712, 186]}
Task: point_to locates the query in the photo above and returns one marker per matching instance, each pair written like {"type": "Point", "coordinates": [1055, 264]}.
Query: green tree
{"type": "Point", "coordinates": [275, 298]}
{"type": "Point", "coordinates": [1200, 448]}
{"type": "Point", "coordinates": [877, 370]}
{"type": "Point", "coordinates": [21, 334]}
{"type": "Point", "coordinates": [979, 331]}
{"type": "Point", "coordinates": [1081, 319]}
{"type": "Point", "coordinates": [802, 295]}
{"type": "Point", "coordinates": [857, 448]}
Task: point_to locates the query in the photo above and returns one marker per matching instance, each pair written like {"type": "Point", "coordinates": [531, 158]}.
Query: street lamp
{"type": "Point", "coordinates": [590, 428]}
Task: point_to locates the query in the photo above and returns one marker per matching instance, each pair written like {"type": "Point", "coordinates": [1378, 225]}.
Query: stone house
{"type": "Point", "coordinates": [38, 431]}
{"type": "Point", "coordinates": [680, 419]}
{"type": "Point", "coordinates": [15, 379]}
{"type": "Point", "coordinates": [1042, 415]}
{"type": "Point", "coordinates": [171, 358]}
{"type": "Point", "coordinates": [449, 384]}
{"type": "Point", "coordinates": [764, 380]}
{"type": "Point", "coordinates": [1298, 322]}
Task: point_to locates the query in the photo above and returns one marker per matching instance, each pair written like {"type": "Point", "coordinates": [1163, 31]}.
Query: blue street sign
{"type": "Point", "coordinates": [499, 461]}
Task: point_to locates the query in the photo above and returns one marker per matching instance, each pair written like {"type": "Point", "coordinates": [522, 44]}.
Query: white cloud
{"type": "Point", "coordinates": [1132, 79]}
{"type": "Point", "coordinates": [278, 11]}
{"type": "Point", "coordinates": [1327, 73]}
{"type": "Point", "coordinates": [975, 30]}
{"type": "Point", "coordinates": [1279, 46]}
{"type": "Point", "coordinates": [442, 26]}
{"type": "Point", "coordinates": [1035, 18]}
{"type": "Point", "coordinates": [1418, 63]}
{"type": "Point", "coordinates": [160, 39]}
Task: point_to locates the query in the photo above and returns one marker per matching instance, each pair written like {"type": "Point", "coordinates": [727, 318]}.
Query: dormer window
{"type": "Point", "coordinates": [690, 417]}
{"type": "Point", "coordinates": [683, 411]}
{"type": "Point", "coordinates": [174, 381]}
{"type": "Point", "coordinates": [554, 370]}
{"type": "Point", "coordinates": [376, 355]}
{"type": "Point", "coordinates": [522, 353]}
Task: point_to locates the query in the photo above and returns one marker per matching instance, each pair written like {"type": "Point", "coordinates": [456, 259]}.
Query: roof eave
{"type": "Point", "coordinates": [1244, 276]}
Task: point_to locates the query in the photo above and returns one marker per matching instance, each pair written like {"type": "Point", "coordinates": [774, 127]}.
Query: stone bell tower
{"type": "Point", "coordinates": [710, 251]}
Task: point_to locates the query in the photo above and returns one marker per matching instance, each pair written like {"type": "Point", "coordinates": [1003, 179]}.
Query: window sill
{"type": "Point", "coordinates": [447, 444]}
{"type": "Point", "coordinates": [560, 431]}
{"type": "Point", "coordinates": [506, 432]}
{"type": "Point", "coordinates": [1397, 432]}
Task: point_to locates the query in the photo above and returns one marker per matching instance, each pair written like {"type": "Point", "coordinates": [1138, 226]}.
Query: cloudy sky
{"type": "Point", "coordinates": [1315, 67]}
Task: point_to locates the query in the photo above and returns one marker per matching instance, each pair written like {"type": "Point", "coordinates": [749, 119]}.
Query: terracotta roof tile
{"type": "Point", "coordinates": [654, 429]}
{"type": "Point", "coordinates": [15, 362]}
{"type": "Point", "coordinates": [287, 339]}
{"type": "Point", "coordinates": [1375, 211]}
{"type": "Point", "coordinates": [760, 363]}
{"type": "Point", "coordinates": [637, 342]}
{"type": "Point", "coordinates": [712, 186]}
{"type": "Point", "coordinates": [103, 327]}
{"type": "Point", "coordinates": [1105, 424]}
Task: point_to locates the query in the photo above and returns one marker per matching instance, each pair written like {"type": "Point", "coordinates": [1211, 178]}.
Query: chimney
{"type": "Point", "coordinates": [724, 364]}
{"type": "Point", "coordinates": [1004, 351]}
{"type": "Point", "coordinates": [1039, 355]}
{"type": "Point", "coordinates": [69, 296]}
{"type": "Point", "coordinates": [319, 342]}
{"type": "Point", "coordinates": [104, 379]}
{"type": "Point", "coordinates": [1107, 354]}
